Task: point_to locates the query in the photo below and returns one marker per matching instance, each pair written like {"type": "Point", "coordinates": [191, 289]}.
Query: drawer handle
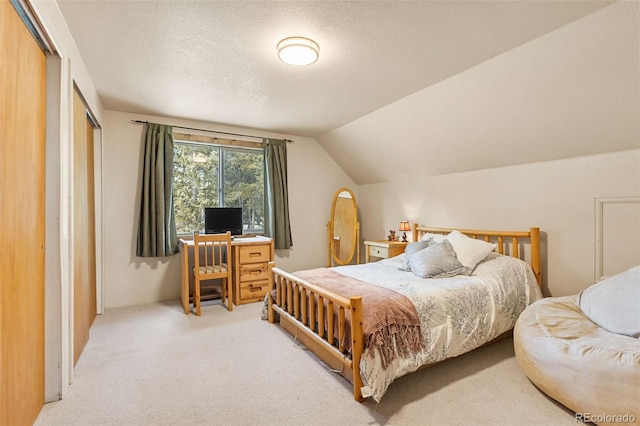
{"type": "Point", "coordinates": [255, 254]}
{"type": "Point", "coordinates": [255, 288]}
{"type": "Point", "coordinates": [256, 272]}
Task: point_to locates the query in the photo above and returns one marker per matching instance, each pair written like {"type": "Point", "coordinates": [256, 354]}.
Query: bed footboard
{"type": "Point", "coordinates": [317, 318]}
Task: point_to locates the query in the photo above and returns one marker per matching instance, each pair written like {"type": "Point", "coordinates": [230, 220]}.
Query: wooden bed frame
{"type": "Point", "coordinates": [300, 317]}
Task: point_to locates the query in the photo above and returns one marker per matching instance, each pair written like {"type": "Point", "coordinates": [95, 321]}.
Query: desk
{"type": "Point", "coordinates": [249, 272]}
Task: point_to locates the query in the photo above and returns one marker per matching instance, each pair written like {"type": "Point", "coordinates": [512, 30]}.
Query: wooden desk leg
{"type": "Point", "coordinates": [230, 293]}
{"type": "Point", "coordinates": [230, 280]}
{"type": "Point", "coordinates": [184, 277]}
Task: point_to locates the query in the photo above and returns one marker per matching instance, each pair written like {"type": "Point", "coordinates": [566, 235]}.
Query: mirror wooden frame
{"type": "Point", "coordinates": [350, 227]}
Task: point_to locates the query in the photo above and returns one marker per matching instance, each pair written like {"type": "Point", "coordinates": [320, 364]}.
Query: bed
{"type": "Point", "coordinates": [375, 322]}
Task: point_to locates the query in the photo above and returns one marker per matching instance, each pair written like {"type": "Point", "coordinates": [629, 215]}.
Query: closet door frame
{"type": "Point", "coordinates": [65, 71]}
{"type": "Point", "coordinates": [22, 230]}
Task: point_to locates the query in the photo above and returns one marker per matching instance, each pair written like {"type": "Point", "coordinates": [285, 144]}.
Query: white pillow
{"type": "Point", "coordinates": [470, 251]}
{"type": "Point", "coordinates": [614, 303]}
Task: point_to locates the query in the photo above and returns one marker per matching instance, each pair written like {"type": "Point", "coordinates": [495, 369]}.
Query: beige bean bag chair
{"type": "Point", "coordinates": [584, 350]}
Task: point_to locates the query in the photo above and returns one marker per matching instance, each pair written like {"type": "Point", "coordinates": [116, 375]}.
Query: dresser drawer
{"type": "Point", "coordinates": [255, 254]}
{"type": "Point", "coordinates": [254, 272]}
{"type": "Point", "coordinates": [379, 251]}
{"type": "Point", "coordinates": [251, 270]}
{"type": "Point", "coordinates": [253, 290]}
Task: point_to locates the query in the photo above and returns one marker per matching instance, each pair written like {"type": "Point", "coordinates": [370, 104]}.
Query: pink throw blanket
{"type": "Point", "coordinates": [390, 321]}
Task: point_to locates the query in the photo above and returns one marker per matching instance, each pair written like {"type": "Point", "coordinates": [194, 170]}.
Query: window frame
{"type": "Point", "coordinates": [222, 144]}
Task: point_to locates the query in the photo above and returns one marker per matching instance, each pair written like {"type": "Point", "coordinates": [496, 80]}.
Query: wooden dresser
{"type": "Point", "coordinates": [250, 272]}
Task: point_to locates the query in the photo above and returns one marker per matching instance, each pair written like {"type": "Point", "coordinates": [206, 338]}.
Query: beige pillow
{"type": "Point", "coordinates": [614, 303]}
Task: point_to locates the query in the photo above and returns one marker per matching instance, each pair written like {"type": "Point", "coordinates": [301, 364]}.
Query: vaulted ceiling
{"type": "Point", "coordinates": [216, 61]}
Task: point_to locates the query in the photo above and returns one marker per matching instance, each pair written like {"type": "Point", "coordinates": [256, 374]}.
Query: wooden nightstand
{"type": "Point", "coordinates": [383, 249]}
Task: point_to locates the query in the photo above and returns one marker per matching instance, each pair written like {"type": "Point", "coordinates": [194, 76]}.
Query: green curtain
{"type": "Point", "coordinates": [276, 212]}
{"type": "Point", "coordinates": [157, 235]}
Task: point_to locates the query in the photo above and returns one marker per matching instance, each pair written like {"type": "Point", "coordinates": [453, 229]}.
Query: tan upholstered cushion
{"type": "Point", "coordinates": [576, 362]}
{"type": "Point", "coordinates": [614, 303]}
{"type": "Point", "coordinates": [212, 269]}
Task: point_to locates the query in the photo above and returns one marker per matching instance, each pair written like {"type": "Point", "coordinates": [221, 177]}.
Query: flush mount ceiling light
{"type": "Point", "coordinates": [298, 51]}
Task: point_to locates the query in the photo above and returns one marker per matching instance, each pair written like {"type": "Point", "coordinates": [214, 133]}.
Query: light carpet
{"type": "Point", "coordinates": [154, 365]}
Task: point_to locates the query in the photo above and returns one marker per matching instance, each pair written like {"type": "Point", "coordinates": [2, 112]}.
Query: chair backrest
{"type": "Point", "coordinates": [210, 253]}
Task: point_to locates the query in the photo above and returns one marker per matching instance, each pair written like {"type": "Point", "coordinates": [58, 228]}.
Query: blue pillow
{"type": "Point", "coordinates": [437, 261]}
{"type": "Point", "coordinates": [411, 249]}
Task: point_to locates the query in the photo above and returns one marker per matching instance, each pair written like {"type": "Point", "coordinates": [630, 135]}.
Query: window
{"type": "Point", "coordinates": [222, 174]}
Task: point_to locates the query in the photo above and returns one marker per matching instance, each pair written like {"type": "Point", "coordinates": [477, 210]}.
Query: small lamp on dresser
{"type": "Point", "coordinates": [404, 227]}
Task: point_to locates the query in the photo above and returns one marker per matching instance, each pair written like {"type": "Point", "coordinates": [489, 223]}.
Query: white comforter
{"type": "Point", "coordinates": [457, 314]}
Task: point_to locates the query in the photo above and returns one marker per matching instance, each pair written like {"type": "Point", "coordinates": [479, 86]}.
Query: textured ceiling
{"type": "Point", "coordinates": [216, 61]}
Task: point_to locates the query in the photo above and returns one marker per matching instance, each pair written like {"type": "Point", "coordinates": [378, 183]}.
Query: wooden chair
{"type": "Point", "coordinates": [210, 254]}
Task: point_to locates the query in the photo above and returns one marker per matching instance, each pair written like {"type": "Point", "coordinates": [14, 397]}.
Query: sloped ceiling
{"type": "Point", "coordinates": [395, 80]}
{"type": "Point", "coordinates": [573, 92]}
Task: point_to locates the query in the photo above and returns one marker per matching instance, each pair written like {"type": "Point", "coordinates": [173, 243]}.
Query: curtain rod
{"type": "Point", "coordinates": [211, 131]}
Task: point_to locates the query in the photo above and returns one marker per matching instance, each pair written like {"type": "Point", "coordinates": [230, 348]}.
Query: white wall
{"type": "Point", "coordinates": [548, 127]}
{"type": "Point", "coordinates": [557, 196]}
{"type": "Point", "coordinates": [52, 21]}
{"type": "Point", "coordinates": [570, 93]}
{"type": "Point", "coordinates": [64, 70]}
{"type": "Point", "coordinates": [129, 280]}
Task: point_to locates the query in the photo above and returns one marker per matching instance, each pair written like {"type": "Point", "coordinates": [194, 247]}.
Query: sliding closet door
{"type": "Point", "coordinates": [84, 258]}
{"type": "Point", "coordinates": [22, 208]}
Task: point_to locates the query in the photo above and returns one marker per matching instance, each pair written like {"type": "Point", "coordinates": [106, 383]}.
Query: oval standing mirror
{"type": "Point", "coordinates": [344, 229]}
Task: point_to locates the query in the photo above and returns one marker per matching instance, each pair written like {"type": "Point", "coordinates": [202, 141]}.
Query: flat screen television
{"type": "Point", "coordinates": [218, 220]}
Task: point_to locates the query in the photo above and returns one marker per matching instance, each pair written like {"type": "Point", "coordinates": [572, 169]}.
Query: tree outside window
{"type": "Point", "coordinates": [207, 175]}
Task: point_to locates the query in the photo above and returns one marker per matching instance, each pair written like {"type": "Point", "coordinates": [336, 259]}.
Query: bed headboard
{"type": "Point", "coordinates": [506, 241]}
